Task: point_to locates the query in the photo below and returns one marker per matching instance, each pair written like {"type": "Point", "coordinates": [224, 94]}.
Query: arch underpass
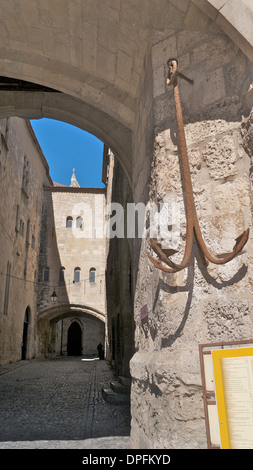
{"type": "Point", "coordinates": [96, 55]}
{"type": "Point", "coordinates": [63, 310]}
{"type": "Point", "coordinates": [66, 108]}
{"type": "Point", "coordinates": [55, 324]}
{"type": "Point", "coordinates": [106, 62]}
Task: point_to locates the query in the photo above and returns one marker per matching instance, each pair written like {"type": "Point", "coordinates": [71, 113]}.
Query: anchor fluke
{"type": "Point", "coordinates": [241, 240]}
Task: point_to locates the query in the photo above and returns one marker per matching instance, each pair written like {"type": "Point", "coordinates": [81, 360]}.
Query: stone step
{"type": "Point", "coordinates": [126, 381]}
{"type": "Point", "coordinates": [113, 397]}
{"type": "Point", "coordinates": [118, 387]}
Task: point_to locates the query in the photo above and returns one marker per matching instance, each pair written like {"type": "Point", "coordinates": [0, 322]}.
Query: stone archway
{"type": "Point", "coordinates": [56, 334]}
{"type": "Point", "coordinates": [108, 63]}
{"type": "Point", "coordinates": [62, 107]}
{"type": "Point", "coordinates": [96, 57]}
{"type": "Point", "coordinates": [64, 310]}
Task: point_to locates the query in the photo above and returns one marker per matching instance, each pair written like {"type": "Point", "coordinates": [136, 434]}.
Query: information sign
{"type": "Point", "coordinates": [227, 383]}
{"type": "Point", "coordinates": [233, 377]}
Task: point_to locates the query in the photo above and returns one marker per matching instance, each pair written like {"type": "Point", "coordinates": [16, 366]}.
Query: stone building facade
{"type": "Point", "coordinates": [52, 241]}
{"type": "Point", "coordinates": [72, 264]}
{"type": "Point", "coordinates": [119, 289]}
{"type": "Point", "coordinates": [23, 174]}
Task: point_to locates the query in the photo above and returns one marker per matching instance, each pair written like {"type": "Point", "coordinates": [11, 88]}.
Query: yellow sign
{"type": "Point", "coordinates": [233, 377]}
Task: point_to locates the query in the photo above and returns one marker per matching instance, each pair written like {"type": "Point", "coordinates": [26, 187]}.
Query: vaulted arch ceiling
{"type": "Point", "coordinates": [95, 52]}
{"type": "Point", "coordinates": [57, 312]}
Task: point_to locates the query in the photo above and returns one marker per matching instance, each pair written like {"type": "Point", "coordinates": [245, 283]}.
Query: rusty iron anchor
{"type": "Point", "coordinates": [192, 223]}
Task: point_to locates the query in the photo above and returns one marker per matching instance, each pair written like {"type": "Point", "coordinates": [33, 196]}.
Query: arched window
{"type": "Point", "coordinates": [28, 232]}
{"type": "Point", "coordinates": [79, 222]}
{"type": "Point", "coordinates": [77, 275]}
{"type": "Point", "coordinates": [62, 275]}
{"type": "Point", "coordinates": [21, 227]}
{"type": "Point", "coordinates": [92, 275]}
{"type": "Point", "coordinates": [69, 221]}
{"type": "Point", "coordinates": [27, 315]}
{"type": "Point", "coordinates": [7, 288]}
{"type": "Point", "coordinates": [46, 274]}
{"type": "Point", "coordinates": [26, 176]}
{"type": "Point", "coordinates": [17, 219]}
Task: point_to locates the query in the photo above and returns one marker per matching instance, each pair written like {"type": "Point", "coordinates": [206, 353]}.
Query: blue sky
{"type": "Point", "coordinates": [66, 147]}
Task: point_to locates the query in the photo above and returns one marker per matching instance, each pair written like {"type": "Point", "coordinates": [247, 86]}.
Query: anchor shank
{"type": "Point", "coordinates": [192, 223]}
{"type": "Point", "coordinates": [189, 202]}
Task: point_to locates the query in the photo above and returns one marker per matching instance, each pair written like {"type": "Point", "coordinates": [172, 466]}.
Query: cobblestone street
{"type": "Point", "coordinates": [59, 400]}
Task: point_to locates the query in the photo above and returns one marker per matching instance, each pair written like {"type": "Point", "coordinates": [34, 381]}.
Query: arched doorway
{"type": "Point", "coordinates": [25, 334]}
{"type": "Point", "coordinates": [74, 345]}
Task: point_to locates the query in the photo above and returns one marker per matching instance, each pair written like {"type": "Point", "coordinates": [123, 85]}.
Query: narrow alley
{"type": "Point", "coordinates": [59, 400]}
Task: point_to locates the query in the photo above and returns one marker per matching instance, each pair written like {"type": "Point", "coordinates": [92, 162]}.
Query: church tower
{"type": "Point", "coordinates": [74, 183]}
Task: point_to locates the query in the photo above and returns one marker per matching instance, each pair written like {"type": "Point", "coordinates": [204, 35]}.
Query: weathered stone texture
{"type": "Point", "coordinates": [228, 319]}
{"type": "Point", "coordinates": [202, 303]}
{"type": "Point", "coordinates": [220, 158]}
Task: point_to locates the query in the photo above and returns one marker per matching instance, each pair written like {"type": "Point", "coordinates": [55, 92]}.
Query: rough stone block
{"type": "Point", "coordinates": [220, 157]}
{"type": "Point", "coordinates": [214, 87]}
{"type": "Point", "coordinates": [159, 81]}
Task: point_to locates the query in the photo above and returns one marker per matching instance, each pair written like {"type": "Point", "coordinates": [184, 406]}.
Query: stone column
{"type": "Point", "coordinates": [174, 313]}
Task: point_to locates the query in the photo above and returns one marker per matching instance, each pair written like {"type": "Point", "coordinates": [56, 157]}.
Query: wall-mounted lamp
{"type": "Point", "coordinates": [54, 296]}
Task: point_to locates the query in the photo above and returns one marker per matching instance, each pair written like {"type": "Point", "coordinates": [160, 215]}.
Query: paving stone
{"type": "Point", "coordinates": [58, 403]}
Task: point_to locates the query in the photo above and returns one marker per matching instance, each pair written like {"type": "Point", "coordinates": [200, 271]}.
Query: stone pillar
{"type": "Point", "coordinates": [174, 313]}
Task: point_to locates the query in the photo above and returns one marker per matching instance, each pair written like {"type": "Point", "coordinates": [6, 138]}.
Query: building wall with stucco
{"type": "Point", "coordinates": [23, 174]}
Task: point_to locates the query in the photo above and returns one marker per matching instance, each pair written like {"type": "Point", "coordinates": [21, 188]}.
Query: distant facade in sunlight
{"type": "Point", "coordinates": [72, 263]}
{"type": "Point", "coordinates": [49, 244]}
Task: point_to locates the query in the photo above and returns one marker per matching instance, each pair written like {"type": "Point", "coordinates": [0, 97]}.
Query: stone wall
{"type": "Point", "coordinates": [119, 276]}
{"type": "Point", "coordinates": [201, 304]}
{"type": "Point", "coordinates": [23, 173]}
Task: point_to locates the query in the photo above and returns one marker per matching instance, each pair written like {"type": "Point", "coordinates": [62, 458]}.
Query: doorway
{"type": "Point", "coordinates": [25, 335]}
{"type": "Point", "coordinates": [74, 344]}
